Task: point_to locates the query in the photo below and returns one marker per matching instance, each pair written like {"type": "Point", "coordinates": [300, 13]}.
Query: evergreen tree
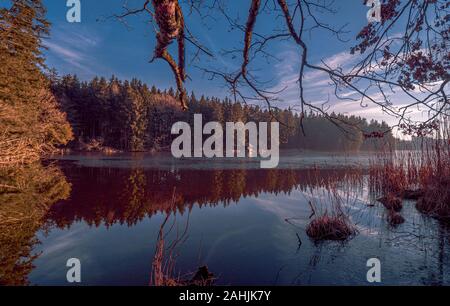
{"type": "Point", "coordinates": [130, 116]}
{"type": "Point", "coordinates": [30, 120]}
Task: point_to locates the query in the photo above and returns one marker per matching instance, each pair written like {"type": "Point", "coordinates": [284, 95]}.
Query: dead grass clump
{"type": "Point", "coordinates": [386, 176]}
{"type": "Point", "coordinates": [330, 228]}
{"type": "Point", "coordinates": [435, 183]}
{"type": "Point", "coordinates": [421, 174]}
{"type": "Point", "coordinates": [436, 202]}
{"type": "Point", "coordinates": [331, 212]}
{"type": "Point", "coordinates": [391, 202]}
{"type": "Point", "coordinates": [394, 218]}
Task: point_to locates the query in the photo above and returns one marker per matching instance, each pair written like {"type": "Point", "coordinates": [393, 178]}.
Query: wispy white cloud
{"type": "Point", "coordinates": [319, 89]}
{"type": "Point", "coordinates": [71, 50]}
{"type": "Point", "coordinates": [64, 52]}
{"type": "Point", "coordinates": [341, 59]}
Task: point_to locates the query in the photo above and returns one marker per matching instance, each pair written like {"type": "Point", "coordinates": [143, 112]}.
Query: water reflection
{"type": "Point", "coordinates": [108, 195]}
{"type": "Point", "coordinates": [25, 196]}
{"type": "Point", "coordinates": [135, 226]}
{"type": "Point", "coordinates": [163, 272]}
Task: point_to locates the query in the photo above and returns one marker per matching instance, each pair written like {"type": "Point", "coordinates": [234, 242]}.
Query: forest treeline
{"type": "Point", "coordinates": [40, 112]}
{"type": "Point", "coordinates": [132, 116]}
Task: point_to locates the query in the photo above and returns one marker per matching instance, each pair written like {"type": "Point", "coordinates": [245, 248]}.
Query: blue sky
{"type": "Point", "coordinates": [104, 46]}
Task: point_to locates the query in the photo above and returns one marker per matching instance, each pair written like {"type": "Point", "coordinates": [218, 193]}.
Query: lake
{"type": "Point", "coordinates": [245, 224]}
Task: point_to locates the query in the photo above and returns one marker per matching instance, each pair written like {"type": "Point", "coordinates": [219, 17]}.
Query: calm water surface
{"type": "Point", "coordinates": [247, 225]}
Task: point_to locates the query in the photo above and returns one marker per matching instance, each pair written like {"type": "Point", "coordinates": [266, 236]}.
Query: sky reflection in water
{"type": "Point", "coordinates": [236, 225]}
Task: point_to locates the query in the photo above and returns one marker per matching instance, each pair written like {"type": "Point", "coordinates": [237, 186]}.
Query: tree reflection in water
{"type": "Point", "coordinates": [26, 194]}
{"type": "Point", "coordinates": [126, 196]}
{"type": "Point", "coordinates": [37, 198]}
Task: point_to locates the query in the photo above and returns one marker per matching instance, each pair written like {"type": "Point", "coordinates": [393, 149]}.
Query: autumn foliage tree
{"type": "Point", "coordinates": [31, 123]}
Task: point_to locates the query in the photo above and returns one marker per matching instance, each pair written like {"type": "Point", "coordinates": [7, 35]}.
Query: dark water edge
{"type": "Point", "coordinates": [243, 223]}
